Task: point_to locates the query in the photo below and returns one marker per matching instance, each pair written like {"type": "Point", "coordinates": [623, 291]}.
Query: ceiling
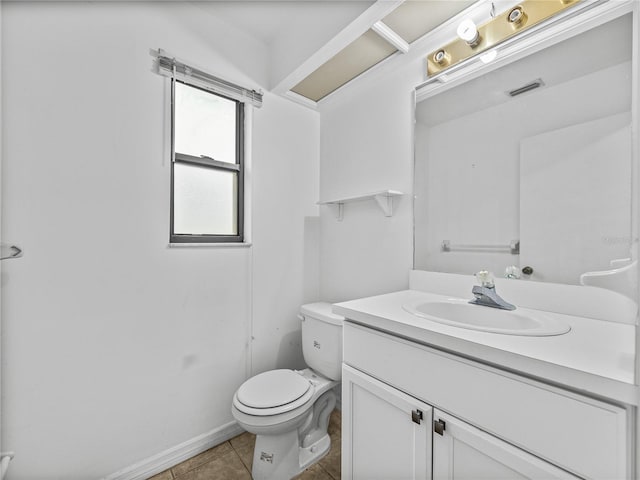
{"type": "Point", "coordinates": [317, 46]}
{"type": "Point", "coordinates": [267, 20]}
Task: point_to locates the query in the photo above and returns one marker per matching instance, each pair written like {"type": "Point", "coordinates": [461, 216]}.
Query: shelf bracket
{"type": "Point", "coordinates": [384, 199]}
{"type": "Point", "coordinates": [336, 207]}
{"type": "Point", "coordinates": [385, 202]}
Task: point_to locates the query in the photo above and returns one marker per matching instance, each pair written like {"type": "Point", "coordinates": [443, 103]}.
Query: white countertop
{"type": "Point", "coordinates": [596, 357]}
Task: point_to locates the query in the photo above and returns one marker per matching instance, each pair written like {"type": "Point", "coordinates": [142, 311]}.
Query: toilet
{"type": "Point", "coordinates": [289, 410]}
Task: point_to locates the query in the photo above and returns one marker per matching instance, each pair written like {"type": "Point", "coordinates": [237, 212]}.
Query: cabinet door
{"type": "Point", "coordinates": [461, 451]}
{"type": "Point", "coordinates": [386, 434]}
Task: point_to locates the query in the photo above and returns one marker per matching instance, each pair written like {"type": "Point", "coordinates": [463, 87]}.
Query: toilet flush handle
{"type": "Point", "coordinates": [301, 318]}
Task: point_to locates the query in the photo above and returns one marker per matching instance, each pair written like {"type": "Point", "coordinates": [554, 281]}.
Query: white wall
{"type": "Point", "coordinates": [285, 219]}
{"type": "Point", "coordinates": [115, 347]}
{"type": "Point", "coordinates": [367, 146]}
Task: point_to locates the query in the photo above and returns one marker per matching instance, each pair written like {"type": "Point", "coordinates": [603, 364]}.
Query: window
{"type": "Point", "coordinates": [208, 154]}
{"type": "Point", "coordinates": [207, 169]}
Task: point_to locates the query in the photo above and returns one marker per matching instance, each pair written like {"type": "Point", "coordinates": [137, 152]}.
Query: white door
{"type": "Point", "coordinates": [575, 199]}
{"type": "Point", "coordinates": [386, 434]}
{"type": "Point", "coordinates": [461, 451]}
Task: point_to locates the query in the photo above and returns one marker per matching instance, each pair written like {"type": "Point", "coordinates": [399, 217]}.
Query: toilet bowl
{"type": "Point", "coordinates": [288, 410]}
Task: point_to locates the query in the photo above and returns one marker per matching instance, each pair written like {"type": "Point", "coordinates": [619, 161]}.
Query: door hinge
{"type": "Point", "coordinates": [439, 426]}
{"type": "Point", "coordinates": [416, 416]}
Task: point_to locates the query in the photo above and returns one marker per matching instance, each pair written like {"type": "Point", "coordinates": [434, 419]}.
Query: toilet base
{"type": "Point", "coordinates": [281, 457]}
{"type": "Point", "coordinates": [312, 454]}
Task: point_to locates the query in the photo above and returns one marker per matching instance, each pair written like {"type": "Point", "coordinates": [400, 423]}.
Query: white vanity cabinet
{"type": "Point", "coordinates": [386, 433]}
{"type": "Point", "coordinates": [493, 423]}
{"type": "Point", "coordinates": [389, 435]}
{"type": "Point", "coordinates": [461, 451]}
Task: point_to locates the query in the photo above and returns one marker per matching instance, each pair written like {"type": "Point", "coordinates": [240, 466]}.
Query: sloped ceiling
{"type": "Point", "coordinates": [291, 31]}
{"type": "Point", "coordinates": [316, 46]}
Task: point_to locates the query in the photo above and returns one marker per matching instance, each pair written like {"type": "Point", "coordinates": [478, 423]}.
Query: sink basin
{"type": "Point", "coordinates": [460, 313]}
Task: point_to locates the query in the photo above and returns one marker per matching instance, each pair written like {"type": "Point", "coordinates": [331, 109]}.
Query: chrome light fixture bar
{"type": "Point", "coordinates": [473, 40]}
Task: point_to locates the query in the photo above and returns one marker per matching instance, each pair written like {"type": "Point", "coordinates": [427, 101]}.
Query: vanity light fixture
{"type": "Point", "coordinates": [475, 40]}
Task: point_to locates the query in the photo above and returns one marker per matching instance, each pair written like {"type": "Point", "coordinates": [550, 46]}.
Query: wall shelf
{"type": "Point", "coordinates": [384, 199]}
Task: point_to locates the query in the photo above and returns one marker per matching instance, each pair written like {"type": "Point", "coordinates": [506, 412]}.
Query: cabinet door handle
{"type": "Point", "coordinates": [439, 426]}
{"type": "Point", "coordinates": [416, 416]}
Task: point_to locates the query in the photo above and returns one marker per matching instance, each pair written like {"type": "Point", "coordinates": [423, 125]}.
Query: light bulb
{"type": "Point", "coordinates": [468, 32]}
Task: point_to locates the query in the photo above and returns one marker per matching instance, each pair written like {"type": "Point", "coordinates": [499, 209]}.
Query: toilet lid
{"type": "Point", "coordinates": [273, 389]}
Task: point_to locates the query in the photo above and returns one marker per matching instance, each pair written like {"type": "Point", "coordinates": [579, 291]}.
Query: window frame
{"type": "Point", "coordinates": [208, 162]}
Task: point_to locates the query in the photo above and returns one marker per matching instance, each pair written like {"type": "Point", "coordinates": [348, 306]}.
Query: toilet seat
{"type": "Point", "coordinates": [273, 392]}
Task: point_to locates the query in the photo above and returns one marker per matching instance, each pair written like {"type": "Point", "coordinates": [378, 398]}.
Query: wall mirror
{"type": "Point", "coordinates": [531, 165]}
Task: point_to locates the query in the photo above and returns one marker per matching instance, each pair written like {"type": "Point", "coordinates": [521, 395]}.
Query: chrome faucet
{"type": "Point", "coordinates": [486, 294]}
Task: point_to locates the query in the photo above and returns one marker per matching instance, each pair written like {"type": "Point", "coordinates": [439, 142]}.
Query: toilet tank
{"type": "Point", "coordinates": [322, 339]}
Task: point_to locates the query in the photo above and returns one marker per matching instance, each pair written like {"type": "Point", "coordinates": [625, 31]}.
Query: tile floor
{"type": "Point", "coordinates": [231, 460]}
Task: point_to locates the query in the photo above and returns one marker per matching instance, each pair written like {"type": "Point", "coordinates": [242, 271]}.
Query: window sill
{"type": "Point", "coordinates": [211, 245]}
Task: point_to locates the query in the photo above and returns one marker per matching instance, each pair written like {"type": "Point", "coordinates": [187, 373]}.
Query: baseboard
{"type": "Point", "coordinates": [164, 460]}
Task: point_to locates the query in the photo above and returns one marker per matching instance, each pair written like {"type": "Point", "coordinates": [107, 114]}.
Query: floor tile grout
{"type": "Point", "coordinates": [326, 471]}
{"type": "Point", "coordinates": [176, 476]}
{"type": "Point", "coordinates": [238, 455]}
